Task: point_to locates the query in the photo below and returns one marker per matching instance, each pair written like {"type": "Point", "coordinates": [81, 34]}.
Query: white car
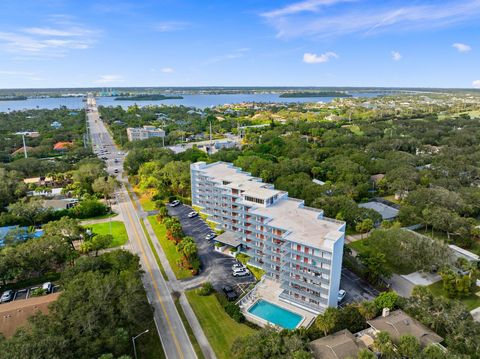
{"type": "Point", "coordinates": [341, 295]}
{"type": "Point", "coordinates": [241, 273]}
{"type": "Point", "coordinates": [210, 236]}
{"type": "Point", "coordinates": [47, 287]}
{"type": "Point", "coordinates": [238, 266]}
{"type": "Point", "coordinates": [175, 203]}
{"type": "Point", "coordinates": [192, 214]}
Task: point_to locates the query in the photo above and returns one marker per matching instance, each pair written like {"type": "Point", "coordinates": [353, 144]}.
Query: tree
{"type": "Point", "coordinates": [386, 300]}
{"type": "Point", "coordinates": [384, 344]}
{"type": "Point", "coordinates": [104, 186]}
{"type": "Point", "coordinates": [368, 309]}
{"type": "Point", "coordinates": [67, 228]}
{"type": "Point", "coordinates": [366, 354]}
{"type": "Point", "coordinates": [326, 322]}
{"type": "Point", "coordinates": [433, 352]}
{"type": "Point", "coordinates": [376, 265]}
{"type": "Point", "coordinates": [101, 241]}
{"type": "Point", "coordinates": [364, 226]}
{"type": "Point", "coordinates": [409, 346]}
{"type": "Point", "coordinates": [30, 211]}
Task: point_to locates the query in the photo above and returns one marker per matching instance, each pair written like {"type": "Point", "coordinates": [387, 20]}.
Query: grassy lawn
{"type": "Point", "coordinates": [152, 247]}
{"type": "Point", "coordinates": [391, 198]}
{"type": "Point", "coordinates": [471, 301]}
{"type": "Point", "coordinates": [257, 272]}
{"type": "Point", "coordinates": [220, 329]}
{"type": "Point", "coordinates": [169, 248]}
{"type": "Point", "coordinates": [119, 232]}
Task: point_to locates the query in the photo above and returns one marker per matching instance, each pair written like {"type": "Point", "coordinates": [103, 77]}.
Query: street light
{"type": "Point", "coordinates": [133, 341]}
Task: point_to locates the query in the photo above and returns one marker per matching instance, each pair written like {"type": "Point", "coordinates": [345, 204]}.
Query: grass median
{"type": "Point", "coordinates": [155, 254]}
{"type": "Point", "coordinates": [169, 248]}
{"type": "Point", "coordinates": [220, 330]}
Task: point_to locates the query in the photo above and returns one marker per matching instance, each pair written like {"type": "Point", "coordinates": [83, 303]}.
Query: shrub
{"type": "Point", "coordinates": [234, 311]}
{"type": "Point", "coordinates": [386, 300]}
{"type": "Point", "coordinates": [37, 292]}
{"type": "Point", "coordinates": [206, 289]}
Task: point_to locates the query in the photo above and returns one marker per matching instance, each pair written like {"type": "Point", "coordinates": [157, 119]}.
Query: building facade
{"type": "Point", "coordinates": [294, 244]}
{"type": "Point", "coordinates": [143, 133]}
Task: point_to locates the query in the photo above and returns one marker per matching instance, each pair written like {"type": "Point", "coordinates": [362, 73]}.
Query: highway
{"type": "Point", "coordinates": [171, 330]}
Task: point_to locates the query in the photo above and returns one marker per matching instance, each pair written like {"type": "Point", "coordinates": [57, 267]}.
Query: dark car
{"type": "Point", "coordinates": [229, 293]}
{"type": "Point", "coordinates": [7, 296]}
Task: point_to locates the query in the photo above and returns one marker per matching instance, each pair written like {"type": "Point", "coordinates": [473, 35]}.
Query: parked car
{"type": "Point", "coordinates": [241, 273]}
{"type": "Point", "coordinates": [7, 296]}
{"type": "Point", "coordinates": [238, 266]}
{"type": "Point", "coordinates": [230, 293]}
{"type": "Point", "coordinates": [192, 214]}
{"type": "Point", "coordinates": [341, 295]}
{"type": "Point", "coordinates": [210, 236]}
{"type": "Point", "coordinates": [47, 287]}
{"type": "Point", "coordinates": [175, 203]}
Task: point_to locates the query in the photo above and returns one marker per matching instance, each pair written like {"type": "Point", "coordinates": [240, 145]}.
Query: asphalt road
{"type": "Point", "coordinates": [216, 267]}
{"type": "Point", "coordinates": [171, 331]}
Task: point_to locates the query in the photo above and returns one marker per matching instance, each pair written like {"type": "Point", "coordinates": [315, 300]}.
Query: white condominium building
{"type": "Point", "coordinates": [294, 244]}
{"type": "Point", "coordinates": [142, 133]}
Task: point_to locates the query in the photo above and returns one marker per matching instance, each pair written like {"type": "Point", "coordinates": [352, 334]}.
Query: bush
{"type": "Point", "coordinates": [386, 300]}
{"type": "Point", "coordinates": [88, 208]}
{"type": "Point", "coordinates": [37, 292]}
{"type": "Point", "coordinates": [234, 311]}
{"type": "Point", "coordinates": [206, 289]}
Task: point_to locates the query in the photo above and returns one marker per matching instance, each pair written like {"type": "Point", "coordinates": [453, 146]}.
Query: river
{"type": "Point", "coordinates": [194, 100]}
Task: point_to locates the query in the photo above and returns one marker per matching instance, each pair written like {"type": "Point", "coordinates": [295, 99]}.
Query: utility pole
{"type": "Point", "coordinates": [133, 341]}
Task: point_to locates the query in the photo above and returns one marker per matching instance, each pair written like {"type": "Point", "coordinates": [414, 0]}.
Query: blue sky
{"type": "Point", "coordinates": [62, 43]}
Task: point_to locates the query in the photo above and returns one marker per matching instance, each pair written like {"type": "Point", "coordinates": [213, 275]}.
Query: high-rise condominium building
{"type": "Point", "coordinates": [294, 244]}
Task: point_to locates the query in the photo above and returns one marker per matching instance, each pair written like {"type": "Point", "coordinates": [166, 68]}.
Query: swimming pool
{"type": "Point", "coordinates": [274, 314]}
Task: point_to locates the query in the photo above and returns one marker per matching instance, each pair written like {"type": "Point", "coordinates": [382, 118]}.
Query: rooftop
{"type": "Point", "coordinates": [387, 212]}
{"type": "Point", "coordinates": [230, 238]}
{"type": "Point", "coordinates": [398, 323]}
{"type": "Point", "coordinates": [339, 345]}
{"type": "Point", "coordinates": [305, 225]}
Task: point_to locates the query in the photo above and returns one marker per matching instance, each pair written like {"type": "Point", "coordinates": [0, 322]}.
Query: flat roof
{"type": "Point", "coordinates": [385, 211]}
{"type": "Point", "coordinates": [230, 238]}
{"type": "Point", "coordinates": [305, 225]}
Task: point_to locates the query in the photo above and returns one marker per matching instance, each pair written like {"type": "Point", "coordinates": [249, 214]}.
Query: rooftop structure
{"type": "Point", "coordinates": [294, 244]}
{"type": "Point", "coordinates": [398, 323]}
{"type": "Point", "coordinates": [143, 133]}
{"type": "Point", "coordinates": [387, 212]}
{"type": "Point", "coordinates": [340, 345]}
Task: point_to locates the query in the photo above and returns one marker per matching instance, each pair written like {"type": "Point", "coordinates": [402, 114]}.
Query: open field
{"type": "Point", "coordinates": [118, 232]}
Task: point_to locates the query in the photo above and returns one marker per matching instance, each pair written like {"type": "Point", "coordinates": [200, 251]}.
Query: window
{"type": "Point", "coordinates": [255, 200]}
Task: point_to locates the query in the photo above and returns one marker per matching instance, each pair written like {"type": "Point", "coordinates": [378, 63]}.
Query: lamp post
{"type": "Point", "coordinates": [133, 341]}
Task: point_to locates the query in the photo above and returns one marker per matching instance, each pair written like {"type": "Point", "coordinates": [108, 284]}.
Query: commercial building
{"type": "Point", "coordinates": [143, 133]}
{"type": "Point", "coordinates": [295, 245]}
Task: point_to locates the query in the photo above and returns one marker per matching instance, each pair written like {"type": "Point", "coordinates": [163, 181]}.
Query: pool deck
{"type": "Point", "coordinates": [270, 290]}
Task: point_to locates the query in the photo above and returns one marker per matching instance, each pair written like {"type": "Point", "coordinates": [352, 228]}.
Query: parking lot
{"type": "Point", "coordinates": [25, 293]}
{"type": "Point", "coordinates": [357, 289]}
{"type": "Point", "coordinates": [216, 267]}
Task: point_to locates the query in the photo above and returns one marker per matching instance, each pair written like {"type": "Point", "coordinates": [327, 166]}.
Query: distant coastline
{"type": "Point", "coordinates": [13, 98]}
{"type": "Point", "coordinates": [153, 97]}
{"type": "Point", "coordinates": [314, 94]}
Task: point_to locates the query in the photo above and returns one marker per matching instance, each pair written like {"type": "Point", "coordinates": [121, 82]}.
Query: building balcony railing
{"type": "Point", "coordinates": [304, 292]}
{"type": "Point", "coordinates": [309, 266]}
{"type": "Point", "coordinates": [290, 250]}
{"type": "Point", "coordinates": [304, 281]}
{"type": "Point", "coordinates": [317, 308]}
{"type": "Point", "coordinates": [316, 276]}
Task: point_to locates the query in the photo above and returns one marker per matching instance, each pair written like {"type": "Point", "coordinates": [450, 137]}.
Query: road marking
{"type": "Point", "coordinates": [157, 291]}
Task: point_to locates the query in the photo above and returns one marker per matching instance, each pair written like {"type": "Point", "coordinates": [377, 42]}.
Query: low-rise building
{"type": "Point", "coordinates": [143, 133]}
{"type": "Point", "coordinates": [340, 345]}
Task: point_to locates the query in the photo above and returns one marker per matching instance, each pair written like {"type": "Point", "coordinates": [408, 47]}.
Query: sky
{"type": "Point", "coordinates": [117, 43]}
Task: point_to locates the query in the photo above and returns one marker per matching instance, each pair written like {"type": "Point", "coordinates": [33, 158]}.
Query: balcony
{"type": "Point", "coordinates": [316, 277]}
{"type": "Point", "coordinates": [290, 250]}
{"type": "Point", "coordinates": [316, 308]}
{"type": "Point", "coordinates": [314, 284]}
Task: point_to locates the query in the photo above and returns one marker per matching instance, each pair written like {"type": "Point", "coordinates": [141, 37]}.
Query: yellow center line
{"type": "Point", "coordinates": [142, 249]}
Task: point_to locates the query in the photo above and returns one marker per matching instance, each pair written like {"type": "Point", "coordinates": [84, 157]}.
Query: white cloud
{"type": "Point", "coordinates": [47, 41]}
{"type": "Point", "coordinates": [369, 19]}
{"type": "Point", "coordinates": [19, 74]}
{"type": "Point", "coordinates": [167, 70]}
{"type": "Point", "coordinates": [109, 79]}
{"type": "Point", "coordinates": [396, 56]}
{"type": "Point", "coordinates": [476, 84]}
{"type": "Point", "coordinates": [462, 47]}
{"type": "Point", "coordinates": [310, 58]}
{"type": "Point", "coordinates": [302, 6]}
{"type": "Point", "coordinates": [169, 26]}
{"type": "Point", "coordinates": [235, 54]}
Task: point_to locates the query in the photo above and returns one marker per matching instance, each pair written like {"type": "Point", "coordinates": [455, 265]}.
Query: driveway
{"type": "Point", "coordinates": [358, 290]}
{"type": "Point", "coordinates": [216, 267]}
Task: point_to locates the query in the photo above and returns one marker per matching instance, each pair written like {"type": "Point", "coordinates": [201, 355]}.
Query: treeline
{"type": "Point", "coordinates": [102, 306]}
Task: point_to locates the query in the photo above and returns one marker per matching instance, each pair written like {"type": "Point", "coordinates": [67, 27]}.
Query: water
{"type": "Point", "coordinates": [274, 314]}
{"type": "Point", "coordinates": [4, 231]}
{"type": "Point", "coordinates": [195, 100]}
